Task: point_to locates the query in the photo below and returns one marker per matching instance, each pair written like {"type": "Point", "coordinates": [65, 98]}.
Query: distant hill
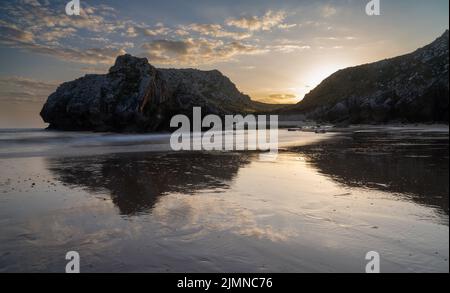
{"type": "Point", "coordinates": [409, 88]}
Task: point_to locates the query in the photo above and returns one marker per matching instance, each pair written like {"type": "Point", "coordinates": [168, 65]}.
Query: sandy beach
{"type": "Point", "coordinates": [127, 205]}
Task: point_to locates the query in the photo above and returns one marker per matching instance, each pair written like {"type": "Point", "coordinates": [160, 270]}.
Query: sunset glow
{"type": "Point", "coordinates": [276, 53]}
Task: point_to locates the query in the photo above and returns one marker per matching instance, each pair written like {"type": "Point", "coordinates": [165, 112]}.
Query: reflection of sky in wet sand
{"type": "Point", "coordinates": [219, 212]}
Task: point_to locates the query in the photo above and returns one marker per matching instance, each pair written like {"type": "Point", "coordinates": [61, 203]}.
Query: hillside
{"type": "Point", "coordinates": [409, 88]}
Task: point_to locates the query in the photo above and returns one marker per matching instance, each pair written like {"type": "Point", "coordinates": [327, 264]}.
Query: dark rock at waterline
{"type": "Point", "coordinates": [137, 97]}
{"type": "Point", "coordinates": [128, 97]}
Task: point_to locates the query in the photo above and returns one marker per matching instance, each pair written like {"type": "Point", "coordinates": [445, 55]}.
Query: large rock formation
{"type": "Point", "coordinates": [211, 90]}
{"type": "Point", "coordinates": [135, 96]}
{"type": "Point", "coordinates": [409, 88]}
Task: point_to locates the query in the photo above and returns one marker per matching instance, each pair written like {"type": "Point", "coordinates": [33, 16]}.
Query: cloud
{"type": "Point", "coordinates": [17, 89]}
{"type": "Point", "coordinates": [58, 33]}
{"type": "Point", "coordinates": [144, 30]}
{"type": "Point", "coordinates": [286, 26]}
{"type": "Point", "coordinates": [179, 212]}
{"type": "Point", "coordinates": [254, 23]}
{"type": "Point", "coordinates": [195, 51]}
{"type": "Point", "coordinates": [105, 55]}
{"type": "Point", "coordinates": [96, 37]}
{"type": "Point", "coordinates": [37, 28]}
{"type": "Point", "coordinates": [160, 47]}
{"type": "Point", "coordinates": [199, 51]}
{"type": "Point", "coordinates": [336, 38]}
{"type": "Point", "coordinates": [33, 3]}
{"type": "Point", "coordinates": [181, 32]}
{"type": "Point", "coordinates": [11, 34]}
{"type": "Point", "coordinates": [38, 18]}
{"type": "Point", "coordinates": [50, 30]}
{"type": "Point", "coordinates": [217, 31]}
{"type": "Point", "coordinates": [333, 42]}
{"type": "Point", "coordinates": [288, 46]}
{"type": "Point", "coordinates": [249, 67]}
{"type": "Point", "coordinates": [327, 11]}
{"type": "Point", "coordinates": [131, 32]}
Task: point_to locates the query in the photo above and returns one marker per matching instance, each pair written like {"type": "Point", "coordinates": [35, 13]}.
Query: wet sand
{"type": "Point", "coordinates": [127, 205]}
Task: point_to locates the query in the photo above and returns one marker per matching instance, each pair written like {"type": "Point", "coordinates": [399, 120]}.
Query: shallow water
{"type": "Point", "coordinates": [127, 205]}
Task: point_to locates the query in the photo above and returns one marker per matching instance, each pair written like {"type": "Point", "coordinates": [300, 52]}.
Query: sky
{"type": "Point", "coordinates": [274, 51]}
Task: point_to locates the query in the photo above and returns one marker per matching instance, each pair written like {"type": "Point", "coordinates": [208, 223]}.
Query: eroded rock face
{"type": "Point", "coordinates": [211, 90]}
{"type": "Point", "coordinates": [134, 96]}
{"type": "Point", "coordinates": [128, 97]}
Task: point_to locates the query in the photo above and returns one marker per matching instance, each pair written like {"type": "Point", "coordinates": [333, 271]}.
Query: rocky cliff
{"type": "Point", "coordinates": [135, 96]}
{"type": "Point", "coordinates": [409, 88]}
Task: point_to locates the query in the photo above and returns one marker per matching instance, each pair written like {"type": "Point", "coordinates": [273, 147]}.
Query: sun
{"type": "Point", "coordinates": [320, 73]}
{"type": "Point", "coordinates": [313, 77]}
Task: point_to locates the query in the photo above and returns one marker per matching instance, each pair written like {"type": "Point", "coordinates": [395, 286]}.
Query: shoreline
{"type": "Point", "coordinates": [292, 124]}
{"type": "Point", "coordinates": [324, 205]}
{"type": "Point", "coordinates": [40, 142]}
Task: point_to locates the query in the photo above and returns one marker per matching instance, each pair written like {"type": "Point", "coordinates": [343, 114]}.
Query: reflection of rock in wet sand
{"type": "Point", "coordinates": [411, 164]}
{"type": "Point", "coordinates": [135, 181]}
